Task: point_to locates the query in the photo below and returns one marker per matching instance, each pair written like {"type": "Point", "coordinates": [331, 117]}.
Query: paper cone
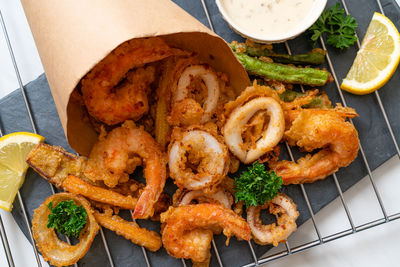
{"type": "Point", "coordinates": [73, 36]}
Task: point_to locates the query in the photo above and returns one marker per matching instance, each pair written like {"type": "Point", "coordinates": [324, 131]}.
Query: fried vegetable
{"type": "Point", "coordinates": [67, 218]}
{"type": "Point", "coordinates": [77, 186]}
{"type": "Point", "coordinates": [54, 163]}
{"type": "Point", "coordinates": [315, 57]}
{"type": "Point", "coordinates": [130, 230]}
{"type": "Point", "coordinates": [256, 185]}
{"type": "Point", "coordinates": [318, 101]}
{"type": "Point", "coordinates": [54, 250]}
{"type": "Point", "coordinates": [284, 73]}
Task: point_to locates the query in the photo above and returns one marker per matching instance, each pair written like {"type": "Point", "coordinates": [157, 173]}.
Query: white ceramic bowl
{"type": "Point", "coordinates": [315, 12]}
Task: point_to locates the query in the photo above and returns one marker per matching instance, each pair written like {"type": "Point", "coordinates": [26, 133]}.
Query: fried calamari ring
{"type": "Point", "coordinates": [54, 250]}
{"type": "Point", "coordinates": [217, 196]}
{"type": "Point", "coordinates": [280, 205]}
{"type": "Point", "coordinates": [182, 222]}
{"type": "Point", "coordinates": [210, 79]}
{"type": "Point", "coordinates": [208, 156]}
{"type": "Point", "coordinates": [130, 230]}
{"type": "Point", "coordinates": [173, 68]}
{"type": "Point", "coordinates": [111, 102]}
{"type": "Point", "coordinates": [240, 116]}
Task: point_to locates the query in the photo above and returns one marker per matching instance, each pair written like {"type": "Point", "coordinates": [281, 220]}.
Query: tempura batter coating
{"type": "Point", "coordinates": [180, 222]}
{"type": "Point", "coordinates": [111, 161]}
{"type": "Point", "coordinates": [314, 129]}
{"type": "Point", "coordinates": [112, 91]}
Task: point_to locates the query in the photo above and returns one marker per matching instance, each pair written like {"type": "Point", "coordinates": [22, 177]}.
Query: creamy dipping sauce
{"type": "Point", "coordinates": [267, 17]}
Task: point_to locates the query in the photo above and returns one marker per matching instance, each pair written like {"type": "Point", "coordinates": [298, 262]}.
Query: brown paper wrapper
{"type": "Point", "coordinates": [73, 36]}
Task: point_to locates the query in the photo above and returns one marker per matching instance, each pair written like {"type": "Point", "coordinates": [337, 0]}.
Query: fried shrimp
{"type": "Point", "coordinates": [319, 129]}
{"type": "Point", "coordinates": [110, 161]}
{"type": "Point", "coordinates": [113, 91]}
{"type": "Point", "coordinates": [255, 116]}
{"type": "Point", "coordinates": [203, 237]}
{"type": "Point", "coordinates": [209, 90]}
{"type": "Point", "coordinates": [280, 205]}
{"type": "Point", "coordinates": [181, 222]}
{"type": "Point", "coordinates": [198, 160]}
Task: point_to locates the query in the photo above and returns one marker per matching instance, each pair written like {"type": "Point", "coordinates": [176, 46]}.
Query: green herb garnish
{"type": "Point", "coordinates": [67, 218]}
{"type": "Point", "coordinates": [340, 29]}
{"type": "Point", "coordinates": [256, 185]}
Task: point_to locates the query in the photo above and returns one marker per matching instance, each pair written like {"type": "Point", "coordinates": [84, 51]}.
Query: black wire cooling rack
{"type": "Point", "coordinates": [257, 261]}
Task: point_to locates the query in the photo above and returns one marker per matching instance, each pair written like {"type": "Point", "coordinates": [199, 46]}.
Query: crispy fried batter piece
{"type": "Point", "coordinates": [112, 91]}
{"type": "Point", "coordinates": [53, 163]}
{"type": "Point", "coordinates": [65, 170]}
{"type": "Point", "coordinates": [129, 230]}
{"type": "Point", "coordinates": [314, 129]}
{"type": "Point", "coordinates": [54, 250]}
{"type": "Point", "coordinates": [77, 186]}
{"type": "Point", "coordinates": [183, 224]}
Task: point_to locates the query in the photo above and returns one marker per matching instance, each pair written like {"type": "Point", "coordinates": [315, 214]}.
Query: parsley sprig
{"type": "Point", "coordinates": [340, 29]}
{"type": "Point", "coordinates": [67, 218]}
{"type": "Point", "coordinates": [256, 185]}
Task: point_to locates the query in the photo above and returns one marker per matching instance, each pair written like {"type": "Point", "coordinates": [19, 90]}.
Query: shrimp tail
{"type": "Point", "coordinates": [142, 211]}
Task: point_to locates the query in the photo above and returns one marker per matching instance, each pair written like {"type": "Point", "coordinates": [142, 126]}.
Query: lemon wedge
{"type": "Point", "coordinates": [377, 59]}
{"type": "Point", "coordinates": [14, 148]}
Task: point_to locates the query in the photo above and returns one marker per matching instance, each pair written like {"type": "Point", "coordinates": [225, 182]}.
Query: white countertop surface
{"type": "Point", "coordinates": [378, 246]}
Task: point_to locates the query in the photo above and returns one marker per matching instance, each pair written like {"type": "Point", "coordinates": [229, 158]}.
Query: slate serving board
{"type": "Point", "coordinates": [373, 133]}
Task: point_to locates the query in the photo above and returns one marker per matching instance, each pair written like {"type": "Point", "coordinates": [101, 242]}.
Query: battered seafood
{"type": "Point", "coordinates": [201, 151]}
{"type": "Point", "coordinates": [222, 195]}
{"type": "Point", "coordinates": [219, 197]}
{"type": "Point", "coordinates": [318, 129]}
{"type": "Point", "coordinates": [182, 224]}
{"type": "Point", "coordinates": [189, 92]}
{"type": "Point", "coordinates": [282, 206]}
{"type": "Point", "coordinates": [257, 115]}
{"type": "Point", "coordinates": [111, 161]}
{"type": "Point", "coordinates": [53, 250]}
{"type": "Point", "coordinates": [111, 102]}
{"type": "Point", "coordinates": [199, 121]}
{"type": "Point", "coordinates": [173, 68]}
{"type": "Point", "coordinates": [55, 164]}
{"type": "Point", "coordinates": [210, 94]}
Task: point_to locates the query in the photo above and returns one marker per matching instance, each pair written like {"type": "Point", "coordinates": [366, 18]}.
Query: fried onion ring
{"type": "Point", "coordinates": [270, 137]}
{"type": "Point", "coordinates": [280, 205]}
{"type": "Point", "coordinates": [211, 156]}
{"type": "Point", "coordinates": [55, 251]}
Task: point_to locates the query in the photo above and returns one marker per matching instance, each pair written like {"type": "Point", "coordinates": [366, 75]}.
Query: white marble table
{"type": "Point", "coordinates": [378, 246]}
